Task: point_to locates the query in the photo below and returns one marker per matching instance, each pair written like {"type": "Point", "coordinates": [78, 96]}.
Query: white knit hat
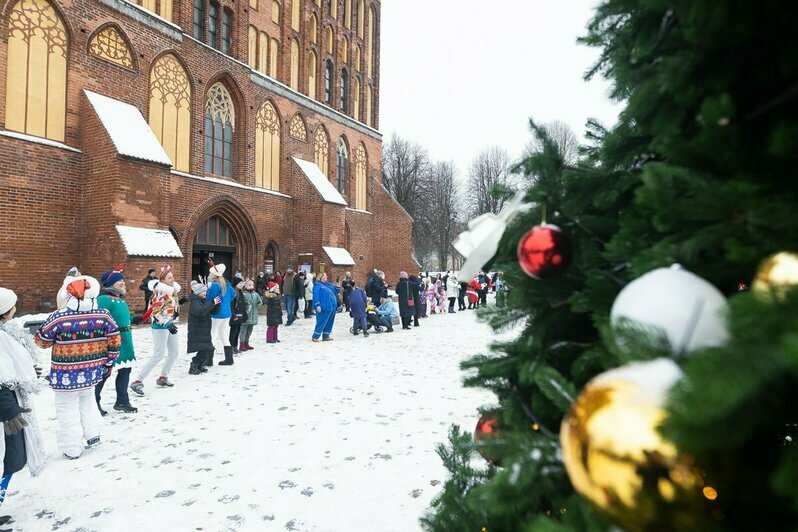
{"type": "Point", "coordinates": [218, 270]}
{"type": "Point", "coordinates": [7, 300]}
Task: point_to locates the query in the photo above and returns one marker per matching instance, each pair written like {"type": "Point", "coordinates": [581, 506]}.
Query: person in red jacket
{"type": "Point", "coordinates": [473, 293]}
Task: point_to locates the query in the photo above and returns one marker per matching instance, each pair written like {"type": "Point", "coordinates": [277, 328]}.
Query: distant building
{"type": "Point", "coordinates": [183, 131]}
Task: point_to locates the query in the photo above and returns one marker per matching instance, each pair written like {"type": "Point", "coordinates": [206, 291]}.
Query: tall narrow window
{"type": "Point", "coordinates": [253, 4]}
{"type": "Point", "coordinates": [369, 107]}
{"type": "Point", "coordinates": [344, 92]}
{"type": "Point", "coordinates": [294, 79]}
{"type": "Point", "coordinates": [328, 39]}
{"type": "Point", "coordinates": [227, 31]}
{"type": "Point", "coordinates": [170, 109]}
{"type": "Point", "coordinates": [321, 150]}
{"type": "Point", "coordinates": [213, 24]}
{"type": "Point", "coordinates": [219, 124]}
{"type": "Point", "coordinates": [340, 167]}
{"type": "Point", "coordinates": [370, 42]}
{"type": "Point", "coordinates": [263, 52]}
{"type": "Point", "coordinates": [334, 9]}
{"type": "Point", "coordinates": [274, 51]}
{"type": "Point", "coordinates": [275, 11]}
{"type": "Point", "coordinates": [267, 148]}
{"type": "Point", "coordinates": [295, 14]}
{"type": "Point", "coordinates": [313, 29]}
{"type": "Point", "coordinates": [347, 13]}
{"type": "Point", "coordinates": [312, 74]}
{"type": "Point", "coordinates": [361, 163]}
{"type": "Point", "coordinates": [359, 17]}
{"type": "Point", "coordinates": [252, 47]}
{"type": "Point", "coordinates": [328, 83]}
{"type": "Point", "coordinates": [166, 9]}
{"type": "Point", "coordinates": [344, 50]}
{"type": "Point", "coordinates": [356, 99]}
{"type": "Point", "coordinates": [199, 19]}
{"type": "Point", "coordinates": [358, 57]}
{"type": "Point", "coordinates": [37, 70]}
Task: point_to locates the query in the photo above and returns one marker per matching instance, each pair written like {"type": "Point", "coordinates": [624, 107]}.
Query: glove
{"type": "Point", "coordinates": [217, 300]}
{"type": "Point", "coordinates": [172, 328]}
{"type": "Point", "coordinates": [183, 300]}
{"type": "Point", "coordinates": [16, 423]}
{"type": "Point", "coordinates": [38, 370]}
{"type": "Point", "coordinates": [107, 372]}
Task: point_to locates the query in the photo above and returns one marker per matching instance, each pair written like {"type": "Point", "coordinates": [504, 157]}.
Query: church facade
{"type": "Point", "coordinates": [191, 131]}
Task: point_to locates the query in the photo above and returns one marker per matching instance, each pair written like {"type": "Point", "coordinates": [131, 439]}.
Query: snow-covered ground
{"type": "Point", "coordinates": [295, 436]}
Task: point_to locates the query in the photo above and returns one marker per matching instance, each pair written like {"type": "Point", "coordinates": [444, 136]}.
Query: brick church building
{"type": "Point", "coordinates": [183, 131]}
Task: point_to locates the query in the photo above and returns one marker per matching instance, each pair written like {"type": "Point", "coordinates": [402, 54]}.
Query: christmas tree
{"type": "Point", "coordinates": [699, 171]}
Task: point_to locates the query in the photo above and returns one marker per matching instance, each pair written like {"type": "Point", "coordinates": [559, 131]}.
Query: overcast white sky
{"type": "Point", "coordinates": [458, 79]}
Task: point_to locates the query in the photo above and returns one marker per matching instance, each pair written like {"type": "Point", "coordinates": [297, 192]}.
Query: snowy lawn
{"type": "Point", "coordinates": [295, 436]}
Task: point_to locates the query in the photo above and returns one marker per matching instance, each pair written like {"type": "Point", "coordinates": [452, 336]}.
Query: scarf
{"type": "Point", "coordinates": [110, 290]}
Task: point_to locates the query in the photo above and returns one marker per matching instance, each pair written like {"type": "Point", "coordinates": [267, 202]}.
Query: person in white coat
{"type": "Point", "coordinates": [452, 290]}
{"type": "Point", "coordinates": [22, 444]}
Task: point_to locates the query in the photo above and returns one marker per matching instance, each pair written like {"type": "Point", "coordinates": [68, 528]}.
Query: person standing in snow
{"type": "Point", "coordinates": [325, 299]}
{"type": "Point", "coordinates": [461, 295]}
{"type": "Point", "coordinates": [221, 320]}
{"type": "Point", "coordinates": [274, 312]}
{"type": "Point", "coordinates": [260, 284]}
{"type": "Point", "coordinates": [239, 314]}
{"type": "Point", "coordinates": [377, 287]}
{"type": "Point", "coordinates": [407, 304]}
{"type": "Point", "coordinates": [199, 327]}
{"type": "Point", "coordinates": [289, 296]}
{"type": "Point", "coordinates": [112, 299]}
{"type": "Point", "coordinates": [453, 291]}
{"type": "Point", "coordinates": [163, 308]}
{"type": "Point", "coordinates": [309, 282]}
{"type": "Point", "coordinates": [85, 342]}
{"type": "Point", "coordinates": [145, 287]}
{"type": "Point", "coordinates": [62, 297]}
{"type": "Point", "coordinates": [347, 285]}
{"type": "Point", "coordinates": [357, 302]}
{"type": "Point", "coordinates": [22, 444]}
{"type": "Point", "coordinates": [416, 286]}
{"type": "Point", "coordinates": [253, 301]}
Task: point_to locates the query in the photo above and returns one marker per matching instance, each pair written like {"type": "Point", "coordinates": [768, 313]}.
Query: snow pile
{"type": "Point", "coordinates": [339, 256]}
{"type": "Point", "coordinates": [141, 242]}
{"type": "Point", "coordinates": [294, 436]}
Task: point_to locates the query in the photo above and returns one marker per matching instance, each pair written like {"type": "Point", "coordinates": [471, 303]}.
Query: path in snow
{"type": "Point", "coordinates": [294, 436]}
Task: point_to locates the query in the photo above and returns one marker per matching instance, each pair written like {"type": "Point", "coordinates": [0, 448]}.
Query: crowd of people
{"type": "Point", "coordinates": [90, 337]}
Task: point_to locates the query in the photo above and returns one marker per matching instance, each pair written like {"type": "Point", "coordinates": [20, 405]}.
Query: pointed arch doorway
{"type": "Point", "coordinates": [214, 241]}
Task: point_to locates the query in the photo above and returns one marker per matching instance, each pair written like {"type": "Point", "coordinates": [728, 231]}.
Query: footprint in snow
{"type": "Point", "coordinates": [189, 502]}
{"type": "Point", "coordinates": [416, 493]}
{"type": "Point", "coordinates": [286, 484]}
{"type": "Point", "coordinates": [383, 456]}
{"type": "Point", "coordinates": [165, 493]}
{"type": "Point", "coordinates": [307, 492]}
{"type": "Point", "coordinates": [329, 486]}
{"type": "Point", "coordinates": [227, 499]}
{"type": "Point", "coordinates": [268, 517]}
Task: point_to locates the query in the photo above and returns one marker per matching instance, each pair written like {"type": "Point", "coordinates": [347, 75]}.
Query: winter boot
{"type": "Point", "coordinates": [137, 387]}
{"type": "Point", "coordinates": [94, 442]}
{"type": "Point", "coordinates": [163, 382]}
{"type": "Point", "coordinates": [103, 413]}
{"type": "Point", "coordinates": [126, 408]}
{"type": "Point", "coordinates": [242, 347]}
{"type": "Point", "coordinates": [365, 334]}
{"type": "Point", "coordinates": [194, 369]}
{"type": "Point", "coordinates": [249, 347]}
{"type": "Point", "coordinates": [228, 357]}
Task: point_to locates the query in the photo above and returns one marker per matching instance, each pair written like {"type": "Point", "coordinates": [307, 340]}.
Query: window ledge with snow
{"type": "Point", "coordinates": [38, 140]}
{"type": "Point", "coordinates": [230, 183]}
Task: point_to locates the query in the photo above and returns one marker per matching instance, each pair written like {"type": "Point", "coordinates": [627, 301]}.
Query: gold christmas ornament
{"type": "Point", "coordinates": [617, 460]}
{"type": "Point", "coordinates": [777, 274]}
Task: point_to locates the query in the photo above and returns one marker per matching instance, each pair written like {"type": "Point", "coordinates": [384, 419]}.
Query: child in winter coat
{"type": "Point", "coordinates": [22, 444]}
{"type": "Point", "coordinates": [357, 304]}
{"type": "Point", "coordinates": [113, 300]}
{"type": "Point", "coordinates": [440, 295]}
{"type": "Point", "coordinates": [162, 311]}
{"type": "Point", "coordinates": [253, 301]}
{"type": "Point", "coordinates": [85, 341]}
{"type": "Point", "coordinates": [199, 327]}
{"type": "Point", "coordinates": [239, 314]}
{"type": "Point", "coordinates": [274, 312]}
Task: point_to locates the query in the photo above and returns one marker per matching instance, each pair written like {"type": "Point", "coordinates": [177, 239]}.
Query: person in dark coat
{"type": "Point", "coordinates": [357, 303]}
{"type": "Point", "coordinates": [239, 314]}
{"type": "Point", "coordinates": [274, 312]}
{"type": "Point", "coordinates": [407, 303]}
{"type": "Point", "coordinates": [347, 286]}
{"type": "Point", "coordinates": [145, 287]}
{"type": "Point", "coordinates": [377, 287]}
{"type": "Point", "coordinates": [199, 327]}
{"type": "Point", "coordinates": [416, 287]}
{"type": "Point", "coordinates": [461, 296]}
{"type": "Point", "coordinates": [260, 284]}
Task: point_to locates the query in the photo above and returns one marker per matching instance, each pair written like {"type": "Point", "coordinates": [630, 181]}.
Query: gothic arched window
{"type": "Point", "coordinates": [219, 125]}
{"type": "Point", "coordinates": [267, 147]}
{"type": "Point", "coordinates": [340, 166]}
{"type": "Point", "coordinates": [321, 150]}
{"type": "Point", "coordinates": [170, 109]}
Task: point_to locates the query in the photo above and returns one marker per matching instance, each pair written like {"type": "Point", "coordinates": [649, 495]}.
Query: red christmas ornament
{"type": "Point", "coordinates": [486, 432]}
{"type": "Point", "coordinates": [544, 252]}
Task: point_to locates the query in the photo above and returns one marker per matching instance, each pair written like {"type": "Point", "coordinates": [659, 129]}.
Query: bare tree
{"type": "Point", "coordinates": [563, 137]}
{"type": "Point", "coordinates": [444, 210]}
{"type": "Point", "coordinates": [488, 177]}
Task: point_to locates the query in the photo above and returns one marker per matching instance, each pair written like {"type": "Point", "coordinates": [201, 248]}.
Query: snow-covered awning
{"type": "Point", "coordinates": [339, 256]}
{"type": "Point", "coordinates": [314, 174]}
{"type": "Point", "coordinates": [140, 242]}
{"type": "Point", "coordinates": [130, 133]}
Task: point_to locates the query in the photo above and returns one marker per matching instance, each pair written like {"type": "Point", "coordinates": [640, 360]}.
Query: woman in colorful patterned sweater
{"type": "Point", "coordinates": [22, 443]}
{"type": "Point", "coordinates": [85, 341]}
{"type": "Point", "coordinates": [163, 308]}
{"type": "Point", "coordinates": [113, 300]}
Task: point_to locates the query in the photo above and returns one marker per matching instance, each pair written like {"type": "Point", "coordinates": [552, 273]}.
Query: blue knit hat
{"type": "Point", "coordinates": [111, 277]}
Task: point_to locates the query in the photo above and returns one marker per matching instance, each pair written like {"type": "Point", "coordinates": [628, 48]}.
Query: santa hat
{"type": "Point", "coordinates": [165, 269]}
{"type": "Point", "coordinates": [111, 277]}
{"type": "Point", "coordinates": [7, 300]}
{"type": "Point", "coordinates": [273, 286]}
{"type": "Point", "coordinates": [217, 270]}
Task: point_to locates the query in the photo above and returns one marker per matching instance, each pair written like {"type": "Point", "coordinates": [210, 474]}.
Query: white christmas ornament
{"type": "Point", "coordinates": [480, 243]}
{"type": "Point", "coordinates": [688, 310]}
